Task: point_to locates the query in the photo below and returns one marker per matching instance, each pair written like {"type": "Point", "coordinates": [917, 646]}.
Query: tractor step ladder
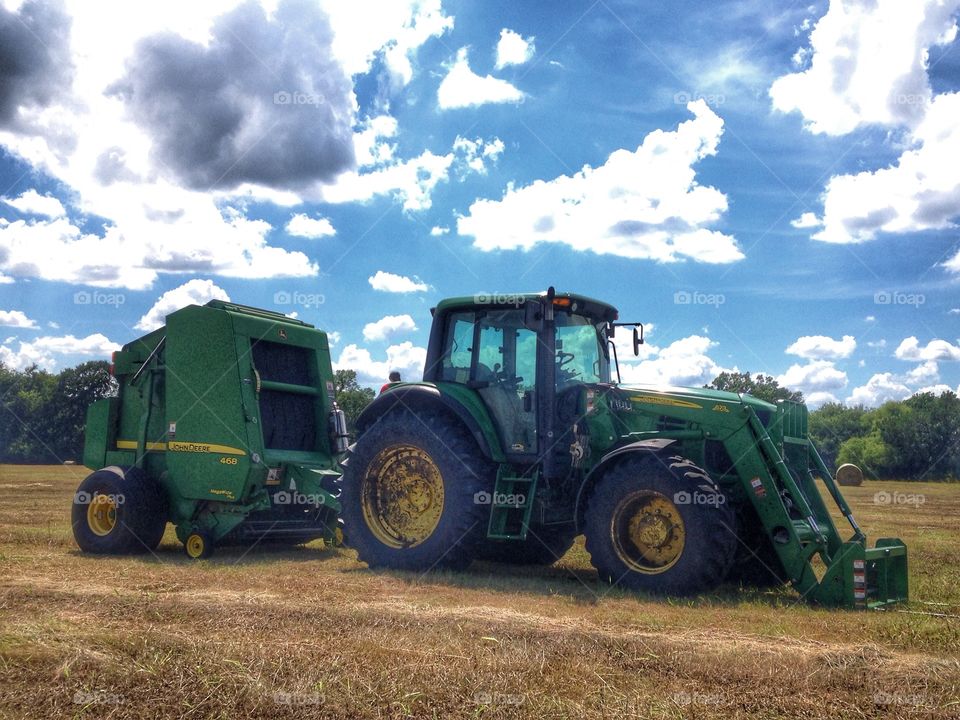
{"type": "Point", "coordinates": [511, 504]}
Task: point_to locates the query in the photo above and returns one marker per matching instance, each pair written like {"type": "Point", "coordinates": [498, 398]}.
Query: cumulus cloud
{"type": "Point", "coordinates": [406, 358]}
{"type": "Point", "coordinates": [264, 102]}
{"type": "Point", "coordinates": [133, 256]}
{"type": "Point", "coordinates": [389, 326]}
{"type": "Point", "coordinates": [33, 203]}
{"type": "Point", "coordinates": [302, 225]}
{"type": "Point", "coordinates": [513, 49]}
{"type": "Point", "coordinates": [936, 349]}
{"type": "Point", "coordinates": [868, 64]}
{"type": "Point", "coordinates": [17, 319]}
{"type": "Point", "coordinates": [410, 181]}
{"type": "Point", "coordinates": [46, 352]}
{"type": "Point", "coordinates": [806, 220]}
{"type": "Point", "coordinates": [388, 282]}
{"type": "Point", "coordinates": [35, 65]}
{"type": "Point", "coordinates": [815, 376]}
{"type": "Point", "coordinates": [684, 362]}
{"type": "Point", "coordinates": [192, 292]}
{"type": "Point", "coordinates": [924, 373]}
{"type": "Point", "coordinates": [879, 389]}
{"type": "Point", "coordinates": [462, 87]}
{"type": "Point", "coordinates": [821, 346]}
{"type": "Point", "coordinates": [644, 204]}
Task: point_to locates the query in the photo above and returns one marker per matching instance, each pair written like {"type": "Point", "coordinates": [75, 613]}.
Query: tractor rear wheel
{"type": "Point", "coordinates": [414, 492]}
{"type": "Point", "coordinates": [118, 511]}
{"type": "Point", "coordinates": [543, 546]}
{"type": "Point", "coordinates": [659, 524]}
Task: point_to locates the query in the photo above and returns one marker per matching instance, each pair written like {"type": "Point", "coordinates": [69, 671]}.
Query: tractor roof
{"type": "Point", "coordinates": [577, 303]}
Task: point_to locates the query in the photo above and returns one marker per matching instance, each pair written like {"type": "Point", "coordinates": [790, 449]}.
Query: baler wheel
{"type": "Point", "coordinates": [198, 546]}
{"type": "Point", "coordinates": [118, 511]}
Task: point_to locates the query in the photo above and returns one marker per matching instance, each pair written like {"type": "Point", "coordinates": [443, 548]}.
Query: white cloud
{"type": "Point", "coordinates": [923, 374]}
{"type": "Point", "coordinates": [437, 230]}
{"type": "Point", "coordinates": [333, 337]}
{"type": "Point", "coordinates": [684, 362]}
{"type": "Point", "coordinates": [816, 399]}
{"type": "Point", "coordinates": [153, 225]}
{"type": "Point", "coordinates": [877, 344]}
{"type": "Point", "coordinates": [46, 352]}
{"type": "Point", "coordinates": [405, 357]}
{"type": "Point", "coordinates": [815, 376]}
{"type": "Point", "coordinates": [870, 319]}
{"type": "Point", "coordinates": [17, 319]}
{"type": "Point", "coordinates": [302, 225]}
{"type": "Point", "coordinates": [513, 49]}
{"type": "Point", "coordinates": [192, 292]}
{"type": "Point", "coordinates": [954, 311]}
{"type": "Point", "coordinates": [389, 326]}
{"type": "Point", "coordinates": [33, 203]}
{"type": "Point", "coordinates": [936, 349]}
{"type": "Point", "coordinates": [937, 390]}
{"type": "Point", "coordinates": [388, 282]}
{"type": "Point", "coordinates": [462, 87]}
{"type": "Point", "coordinates": [821, 346]}
{"type": "Point", "coordinates": [879, 389]}
{"type": "Point", "coordinates": [920, 192]}
{"type": "Point", "coordinates": [806, 220]}
{"type": "Point", "coordinates": [644, 204]}
{"type": "Point", "coordinates": [868, 64]}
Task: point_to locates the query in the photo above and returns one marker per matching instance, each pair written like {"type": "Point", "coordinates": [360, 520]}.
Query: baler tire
{"type": "Point", "coordinates": [198, 545]}
{"type": "Point", "coordinates": [645, 505]}
{"type": "Point", "coordinates": [130, 521]}
{"type": "Point", "coordinates": [543, 546]}
{"type": "Point", "coordinates": [436, 444]}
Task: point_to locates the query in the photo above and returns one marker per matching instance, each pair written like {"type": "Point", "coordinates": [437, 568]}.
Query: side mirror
{"type": "Point", "coordinates": [532, 316]}
{"type": "Point", "coordinates": [611, 330]}
{"type": "Point", "coordinates": [637, 341]}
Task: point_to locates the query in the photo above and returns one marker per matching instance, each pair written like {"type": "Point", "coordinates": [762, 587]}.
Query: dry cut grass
{"type": "Point", "coordinates": [310, 632]}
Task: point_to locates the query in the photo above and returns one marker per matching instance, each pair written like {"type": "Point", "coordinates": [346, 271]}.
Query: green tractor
{"type": "Point", "coordinates": [521, 438]}
{"type": "Point", "coordinates": [226, 425]}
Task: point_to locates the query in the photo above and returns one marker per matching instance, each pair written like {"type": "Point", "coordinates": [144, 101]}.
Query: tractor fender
{"type": "Point", "coordinates": [653, 445]}
{"type": "Point", "coordinates": [427, 396]}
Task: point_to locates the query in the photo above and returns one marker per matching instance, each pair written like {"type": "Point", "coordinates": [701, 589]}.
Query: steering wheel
{"type": "Point", "coordinates": [564, 358]}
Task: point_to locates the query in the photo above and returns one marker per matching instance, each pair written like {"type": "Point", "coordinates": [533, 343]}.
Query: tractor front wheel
{"type": "Point", "coordinates": [414, 491]}
{"type": "Point", "coordinates": [659, 524]}
{"type": "Point", "coordinates": [118, 511]}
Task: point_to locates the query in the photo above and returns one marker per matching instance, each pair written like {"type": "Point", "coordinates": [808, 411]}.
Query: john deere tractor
{"type": "Point", "coordinates": [521, 437]}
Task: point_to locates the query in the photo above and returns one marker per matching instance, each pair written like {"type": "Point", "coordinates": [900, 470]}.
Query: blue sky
{"type": "Point", "coordinates": [769, 189]}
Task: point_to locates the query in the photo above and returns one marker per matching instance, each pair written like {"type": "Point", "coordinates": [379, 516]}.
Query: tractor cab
{"type": "Point", "coordinates": [528, 357]}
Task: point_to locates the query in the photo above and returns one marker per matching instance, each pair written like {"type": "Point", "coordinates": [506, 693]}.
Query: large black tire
{"type": "Point", "coordinates": [756, 562]}
{"type": "Point", "coordinates": [118, 511]}
{"type": "Point", "coordinates": [415, 493]}
{"type": "Point", "coordinates": [659, 524]}
{"type": "Point", "coordinates": [543, 546]}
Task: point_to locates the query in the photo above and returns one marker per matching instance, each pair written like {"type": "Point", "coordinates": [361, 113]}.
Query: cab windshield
{"type": "Point", "coordinates": [581, 350]}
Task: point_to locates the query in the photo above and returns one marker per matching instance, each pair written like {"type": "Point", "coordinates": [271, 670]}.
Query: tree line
{"type": "Point", "coordinates": [42, 417]}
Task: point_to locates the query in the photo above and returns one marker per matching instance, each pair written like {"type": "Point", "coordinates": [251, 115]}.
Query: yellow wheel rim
{"type": "Point", "coordinates": [102, 515]}
{"type": "Point", "coordinates": [195, 546]}
{"type": "Point", "coordinates": [647, 532]}
{"type": "Point", "coordinates": [402, 496]}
